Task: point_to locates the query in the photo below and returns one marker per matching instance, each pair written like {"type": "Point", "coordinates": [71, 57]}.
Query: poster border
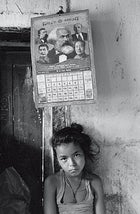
{"type": "Point", "coordinates": [92, 68]}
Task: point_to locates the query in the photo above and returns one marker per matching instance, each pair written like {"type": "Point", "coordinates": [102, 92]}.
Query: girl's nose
{"type": "Point", "coordinates": [72, 162]}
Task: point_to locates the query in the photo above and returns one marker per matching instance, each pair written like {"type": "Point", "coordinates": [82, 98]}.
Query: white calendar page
{"type": "Point", "coordinates": [63, 75]}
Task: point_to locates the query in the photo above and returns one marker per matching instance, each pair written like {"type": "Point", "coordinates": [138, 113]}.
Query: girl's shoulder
{"type": "Point", "coordinates": [53, 180]}
{"type": "Point", "coordinates": [96, 179]}
{"type": "Point", "coordinates": [96, 184]}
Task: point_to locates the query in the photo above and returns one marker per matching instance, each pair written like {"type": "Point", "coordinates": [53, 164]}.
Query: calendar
{"type": "Point", "coordinates": [63, 63]}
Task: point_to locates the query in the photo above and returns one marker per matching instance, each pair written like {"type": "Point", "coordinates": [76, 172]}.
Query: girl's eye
{"type": "Point", "coordinates": [77, 155]}
{"type": "Point", "coordinates": [63, 159]}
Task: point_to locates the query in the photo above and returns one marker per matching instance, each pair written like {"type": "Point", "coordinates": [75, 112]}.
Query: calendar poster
{"type": "Point", "coordinates": [62, 59]}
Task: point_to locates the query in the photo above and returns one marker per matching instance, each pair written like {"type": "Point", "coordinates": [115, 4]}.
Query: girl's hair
{"type": "Point", "coordinates": [74, 134]}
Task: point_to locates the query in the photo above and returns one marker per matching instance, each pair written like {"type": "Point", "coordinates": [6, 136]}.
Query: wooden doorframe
{"type": "Point", "coordinates": [14, 37]}
{"type": "Point", "coordinates": [14, 46]}
{"type": "Point", "coordinates": [17, 39]}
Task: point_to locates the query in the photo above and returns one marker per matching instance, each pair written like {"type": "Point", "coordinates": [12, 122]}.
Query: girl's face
{"type": "Point", "coordinates": [71, 158]}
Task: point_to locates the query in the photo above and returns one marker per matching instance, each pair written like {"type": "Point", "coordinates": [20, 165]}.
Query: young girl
{"type": "Point", "coordinates": [74, 189]}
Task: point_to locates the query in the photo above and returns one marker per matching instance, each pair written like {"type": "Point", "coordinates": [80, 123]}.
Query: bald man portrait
{"type": "Point", "coordinates": [79, 35]}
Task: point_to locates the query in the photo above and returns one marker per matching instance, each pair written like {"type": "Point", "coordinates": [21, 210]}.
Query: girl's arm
{"type": "Point", "coordinates": [50, 195]}
{"type": "Point", "coordinates": [99, 200]}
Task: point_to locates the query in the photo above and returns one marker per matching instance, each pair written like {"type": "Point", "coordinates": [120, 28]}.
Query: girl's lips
{"type": "Point", "coordinates": [73, 170]}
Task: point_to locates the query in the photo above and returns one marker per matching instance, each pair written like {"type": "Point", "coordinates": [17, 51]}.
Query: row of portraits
{"type": "Point", "coordinates": [60, 44]}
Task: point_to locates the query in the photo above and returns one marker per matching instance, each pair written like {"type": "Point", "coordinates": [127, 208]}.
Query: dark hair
{"type": "Point", "coordinates": [74, 134]}
{"type": "Point", "coordinates": [40, 31]}
{"type": "Point", "coordinates": [43, 45]}
{"type": "Point", "coordinates": [81, 41]}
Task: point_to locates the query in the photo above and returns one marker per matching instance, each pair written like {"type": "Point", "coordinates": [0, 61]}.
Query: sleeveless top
{"type": "Point", "coordinates": [83, 207]}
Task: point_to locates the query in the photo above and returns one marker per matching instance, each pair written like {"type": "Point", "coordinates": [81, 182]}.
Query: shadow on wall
{"type": "Point", "coordinates": [26, 160]}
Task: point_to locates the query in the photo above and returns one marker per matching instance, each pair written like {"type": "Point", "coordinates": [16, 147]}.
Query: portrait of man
{"type": "Point", "coordinates": [63, 48]}
{"type": "Point", "coordinates": [79, 35]}
{"type": "Point", "coordinates": [42, 36]}
{"type": "Point", "coordinates": [43, 53]}
{"type": "Point", "coordinates": [80, 50]}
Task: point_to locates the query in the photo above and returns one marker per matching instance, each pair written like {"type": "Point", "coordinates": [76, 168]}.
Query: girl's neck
{"type": "Point", "coordinates": [74, 178]}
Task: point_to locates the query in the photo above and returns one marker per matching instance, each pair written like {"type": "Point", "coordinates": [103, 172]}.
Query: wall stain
{"type": "Point", "coordinates": [96, 7]}
{"type": "Point", "coordinates": [68, 7]}
{"type": "Point", "coordinates": [118, 69]}
{"type": "Point", "coordinates": [7, 10]}
{"type": "Point", "coordinates": [119, 3]}
{"type": "Point", "coordinates": [119, 33]}
{"type": "Point", "coordinates": [113, 203]}
{"type": "Point", "coordinates": [136, 111]}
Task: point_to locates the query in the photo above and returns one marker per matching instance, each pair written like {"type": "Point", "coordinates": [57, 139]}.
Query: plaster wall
{"type": "Point", "coordinates": [18, 13]}
{"type": "Point", "coordinates": [115, 120]}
